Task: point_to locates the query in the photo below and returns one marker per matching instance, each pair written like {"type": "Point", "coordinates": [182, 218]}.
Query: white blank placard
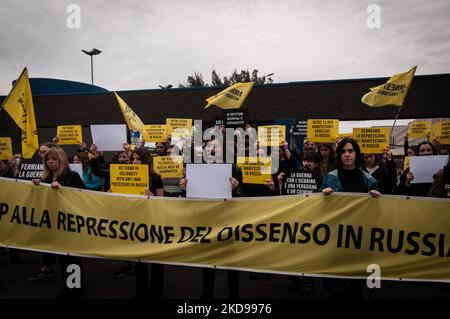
{"type": "Point", "coordinates": [423, 167]}
{"type": "Point", "coordinates": [77, 168]}
{"type": "Point", "coordinates": [109, 137]}
{"type": "Point", "coordinates": [208, 181]}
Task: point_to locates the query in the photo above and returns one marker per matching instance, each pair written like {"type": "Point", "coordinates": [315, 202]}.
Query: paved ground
{"type": "Point", "coordinates": [180, 283]}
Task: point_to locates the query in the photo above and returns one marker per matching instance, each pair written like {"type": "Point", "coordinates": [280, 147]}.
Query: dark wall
{"type": "Point", "coordinates": [429, 97]}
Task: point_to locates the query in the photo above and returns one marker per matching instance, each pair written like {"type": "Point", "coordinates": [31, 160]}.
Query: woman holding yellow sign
{"type": "Point", "coordinates": [155, 188]}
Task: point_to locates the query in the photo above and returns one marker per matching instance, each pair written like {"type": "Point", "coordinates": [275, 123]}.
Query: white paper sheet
{"type": "Point", "coordinates": [77, 168]}
{"type": "Point", "coordinates": [109, 137]}
{"type": "Point", "coordinates": [208, 180]}
{"type": "Point", "coordinates": [423, 167]}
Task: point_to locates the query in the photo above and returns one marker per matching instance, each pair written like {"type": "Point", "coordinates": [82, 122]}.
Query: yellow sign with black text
{"type": "Point", "coordinates": [271, 135]}
{"type": "Point", "coordinates": [69, 134]}
{"type": "Point", "coordinates": [168, 166]}
{"type": "Point", "coordinates": [337, 235]}
{"type": "Point", "coordinates": [129, 178]}
{"type": "Point", "coordinates": [155, 133]}
{"type": "Point", "coordinates": [323, 130]}
{"type": "Point", "coordinates": [5, 148]}
{"type": "Point", "coordinates": [255, 170]}
{"type": "Point", "coordinates": [372, 140]}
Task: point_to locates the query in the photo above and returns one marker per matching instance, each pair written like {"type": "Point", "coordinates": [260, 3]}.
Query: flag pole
{"type": "Point", "coordinates": [393, 125]}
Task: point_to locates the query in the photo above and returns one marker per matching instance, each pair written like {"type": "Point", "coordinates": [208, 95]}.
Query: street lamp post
{"type": "Point", "coordinates": [91, 53]}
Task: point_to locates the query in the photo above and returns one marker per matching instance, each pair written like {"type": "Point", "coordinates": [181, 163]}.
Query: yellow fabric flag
{"type": "Point", "coordinates": [133, 121]}
{"type": "Point", "coordinates": [19, 105]}
{"type": "Point", "coordinates": [393, 92]}
{"type": "Point", "coordinates": [232, 97]}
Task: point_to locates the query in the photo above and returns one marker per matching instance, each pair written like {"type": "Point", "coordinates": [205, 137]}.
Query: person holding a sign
{"type": "Point", "coordinates": [57, 173]}
{"type": "Point", "coordinates": [91, 181]}
{"type": "Point", "coordinates": [349, 177]}
{"type": "Point", "coordinates": [209, 274]}
{"type": "Point", "coordinates": [379, 172]}
{"type": "Point", "coordinates": [405, 186]}
{"type": "Point", "coordinates": [141, 156]}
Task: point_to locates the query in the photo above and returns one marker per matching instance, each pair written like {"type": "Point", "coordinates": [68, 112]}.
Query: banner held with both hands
{"type": "Point", "coordinates": [336, 236]}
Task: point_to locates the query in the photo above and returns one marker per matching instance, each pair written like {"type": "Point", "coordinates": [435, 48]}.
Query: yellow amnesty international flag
{"type": "Point", "coordinates": [232, 97]}
{"type": "Point", "coordinates": [19, 105]}
{"type": "Point", "coordinates": [393, 92]}
{"type": "Point", "coordinates": [133, 121]}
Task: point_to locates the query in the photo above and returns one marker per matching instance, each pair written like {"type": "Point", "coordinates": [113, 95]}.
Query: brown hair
{"type": "Point", "coordinates": [60, 155]}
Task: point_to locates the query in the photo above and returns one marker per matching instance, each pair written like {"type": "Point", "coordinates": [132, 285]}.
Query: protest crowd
{"type": "Point", "coordinates": [262, 161]}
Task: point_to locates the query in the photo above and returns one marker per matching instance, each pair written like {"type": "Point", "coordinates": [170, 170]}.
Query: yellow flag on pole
{"type": "Point", "coordinates": [133, 121]}
{"type": "Point", "coordinates": [232, 97]}
{"type": "Point", "coordinates": [393, 92]}
{"type": "Point", "coordinates": [19, 105]}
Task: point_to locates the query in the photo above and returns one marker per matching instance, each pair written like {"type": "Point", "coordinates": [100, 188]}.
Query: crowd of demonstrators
{"type": "Point", "coordinates": [342, 167]}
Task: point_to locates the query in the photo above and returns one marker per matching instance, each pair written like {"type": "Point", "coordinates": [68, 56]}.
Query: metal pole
{"type": "Point", "coordinates": [92, 69]}
{"type": "Point", "coordinates": [395, 120]}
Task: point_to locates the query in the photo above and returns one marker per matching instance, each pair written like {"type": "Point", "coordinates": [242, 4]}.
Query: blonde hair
{"type": "Point", "coordinates": [61, 156]}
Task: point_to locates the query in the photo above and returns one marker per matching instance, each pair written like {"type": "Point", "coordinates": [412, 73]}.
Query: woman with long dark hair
{"type": "Point", "coordinates": [141, 156]}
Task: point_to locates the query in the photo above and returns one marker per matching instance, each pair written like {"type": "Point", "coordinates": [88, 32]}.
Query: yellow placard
{"type": "Point", "coordinates": [5, 148]}
{"type": "Point", "coordinates": [337, 235]}
{"type": "Point", "coordinates": [271, 135]}
{"type": "Point", "coordinates": [155, 133]}
{"type": "Point", "coordinates": [372, 140]}
{"type": "Point", "coordinates": [255, 170]}
{"type": "Point", "coordinates": [406, 162]}
{"type": "Point", "coordinates": [129, 179]}
{"type": "Point", "coordinates": [172, 124]}
{"type": "Point", "coordinates": [418, 129]}
{"type": "Point", "coordinates": [323, 130]}
{"type": "Point", "coordinates": [69, 134]}
{"type": "Point", "coordinates": [441, 130]}
{"type": "Point", "coordinates": [168, 166]}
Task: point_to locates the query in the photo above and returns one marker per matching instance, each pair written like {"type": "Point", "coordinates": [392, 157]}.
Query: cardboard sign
{"type": "Point", "coordinates": [208, 181]}
{"type": "Point", "coordinates": [441, 130]}
{"type": "Point", "coordinates": [168, 166]}
{"type": "Point", "coordinates": [5, 148]}
{"type": "Point", "coordinates": [302, 181]}
{"type": "Point", "coordinates": [30, 169]}
{"type": "Point", "coordinates": [424, 167]}
{"type": "Point", "coordinates": [234, 118]}
{"type": "Point", "coordinates": [300, 129]}
{"type": "Point", "coordinates": [255, 170]}
{"type": "Point", "coordinates": [155, 133]}
{"type": "Point", "coordinates": [109, 137]}
{"type": "Point", "coordinates": [271, 135]}
{"type": "Point", "coordinates": [372, 140]}
{"type": "Point", "coordinates": [69, 134]}
{"type": "Point", "coordinates": [323, 130]}
{"type": "Point", "coordinates": [419, 129]}
{"type": "Point", "coordinates": [129, 179]}
{"type": "Point", "coordinates": [172, 124]}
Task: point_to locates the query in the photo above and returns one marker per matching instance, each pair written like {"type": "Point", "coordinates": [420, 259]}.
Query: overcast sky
{"type": "Point", "coordinates": [147, 43]}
